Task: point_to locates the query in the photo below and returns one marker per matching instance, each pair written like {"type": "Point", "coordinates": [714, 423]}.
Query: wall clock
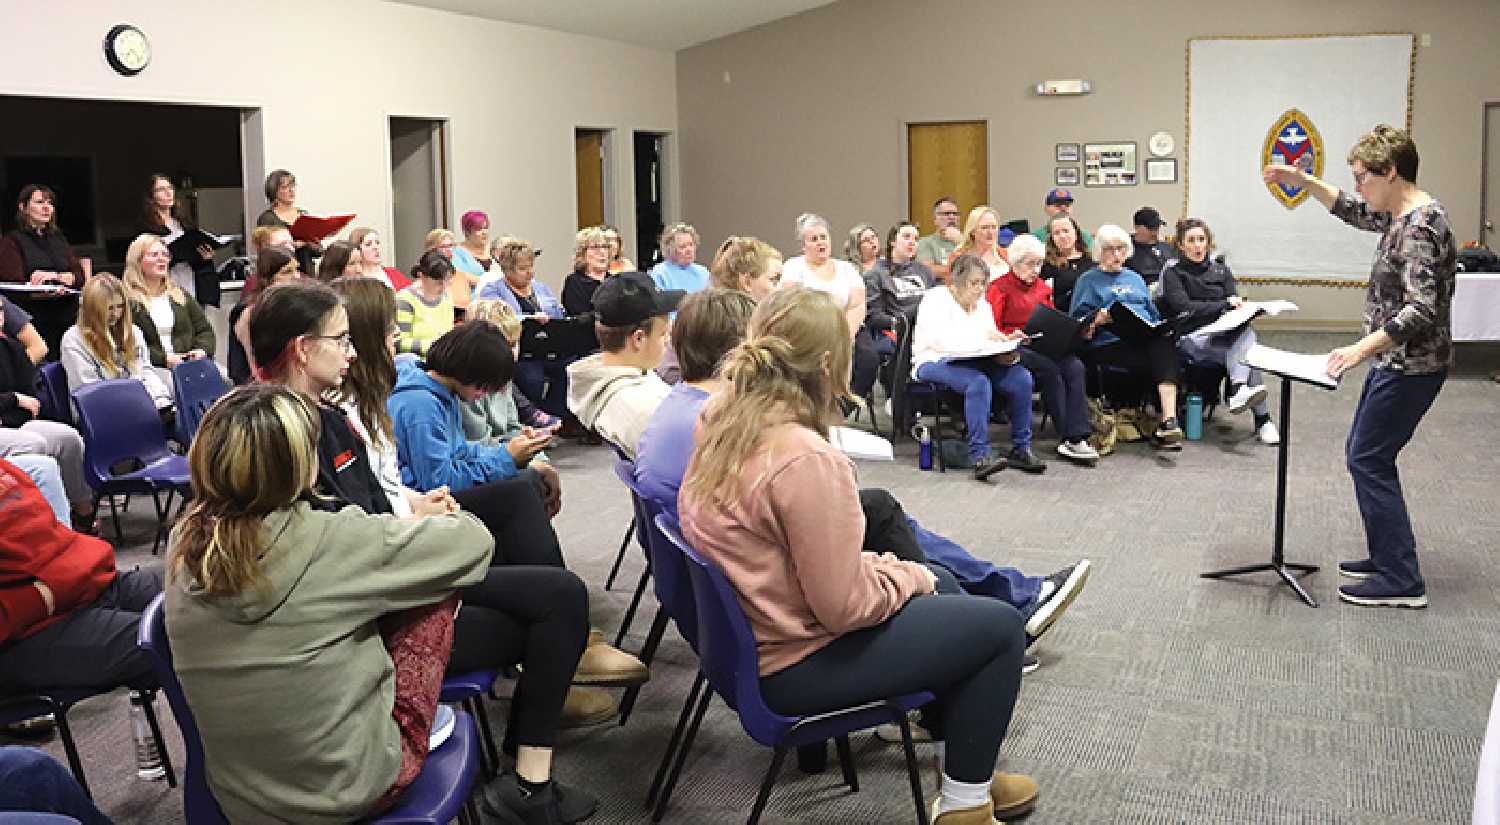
{"type": "Point", "coordinates": [127, 50]}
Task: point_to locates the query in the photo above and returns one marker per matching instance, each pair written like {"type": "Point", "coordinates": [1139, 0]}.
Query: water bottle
{"type": "Point", "coordinates": [148, 763]}
{"type": "Point", "coordinates": [924, 439]}
{"type": "Point", "coordinates": [1193, 426]}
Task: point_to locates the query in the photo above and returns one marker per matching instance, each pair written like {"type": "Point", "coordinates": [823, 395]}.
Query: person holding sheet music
{"type": "Point", "coordinates": [952, 322]}
{"type": "Point", "coordinates": [1196, 290]}
{"type": "Point", "coordinates": [282, 211]}
{"type": "Point", "coordinates": [1110, 283]}
{"type": "Point", "coordinates": [543, 381]}
{"type": "Point", "coordinates": [195, 273]}
{"type": "Point", "coordinates": [35, 254]}
{"type": "Point", "coordinates": [1013, 298]}
{"type": "Point", "coordinates": [1408, 331]}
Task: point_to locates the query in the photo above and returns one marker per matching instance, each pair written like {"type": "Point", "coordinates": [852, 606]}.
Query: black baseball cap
{"type": "Point", "coordinates": [1148, 217]}
{"type": "Point", "coordinates": [629, 298]}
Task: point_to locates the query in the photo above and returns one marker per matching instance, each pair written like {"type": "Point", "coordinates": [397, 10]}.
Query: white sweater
{"type": "Point", "coordinates": [944, 329]}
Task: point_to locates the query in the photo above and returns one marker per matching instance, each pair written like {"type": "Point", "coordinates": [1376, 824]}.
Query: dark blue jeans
{"type": "Point", "coordinates": [30, 780]}
{"type": "Point", "coordinates": [545, 383]}
{"type": "Point", "coordinates": [1390, 407]}
{"type": "Point", "coordinates": [979, 380]}
{"type": "Point", "coordinates": [1062, 384]}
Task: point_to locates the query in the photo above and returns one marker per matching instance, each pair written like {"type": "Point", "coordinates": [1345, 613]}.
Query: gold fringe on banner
{"type": "Point", "coordinates": [1283, 280]}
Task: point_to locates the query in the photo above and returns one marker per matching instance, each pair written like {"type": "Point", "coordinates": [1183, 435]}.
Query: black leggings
{"type": "Point", "coordinates": [1156, 357]}
{"type": "Point", "coordinates": [537, 617]}
{"type": "Point", "coordinates": [513, 511]}
{"type": "Point", "coordinates": [865, 364]}
{"type": "Point", "coordinates": [965, 649]}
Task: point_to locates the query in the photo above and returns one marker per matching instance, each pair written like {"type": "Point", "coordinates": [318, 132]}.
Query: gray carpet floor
{"type": "Point", "coordinates": [1163, 697]}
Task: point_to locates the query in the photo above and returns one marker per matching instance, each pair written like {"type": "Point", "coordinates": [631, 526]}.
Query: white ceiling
{"type": "Point", "coordinates": [667, 25]}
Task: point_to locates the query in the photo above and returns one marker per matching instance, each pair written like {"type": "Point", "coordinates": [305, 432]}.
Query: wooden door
{"type": "Point", "coordinates": [946, 160]}
{"type": "Point", "coordinates": [588, 145]}
{"type": "Point", "coordinates": [1489, 217]}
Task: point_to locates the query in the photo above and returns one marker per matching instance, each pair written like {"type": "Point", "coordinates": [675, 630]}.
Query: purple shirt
{"type": "Point", "coordinates": [666, 447]}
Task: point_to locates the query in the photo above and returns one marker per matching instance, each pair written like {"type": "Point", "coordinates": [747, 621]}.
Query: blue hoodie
{"type": "Point", "coordinates": [1097, 289]}
{"type": "Point", "coordinates": [430, 442]}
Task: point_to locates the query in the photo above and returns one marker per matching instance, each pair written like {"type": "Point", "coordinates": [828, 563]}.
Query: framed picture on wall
{"type": "Point", "coordinates": [1109, 164]}
{"type": "Point", "coordinates": [1161, 170]}
{"type": "Point", "coordinates": [1066, 153]}
{"type": "Point", "coordinates": [1065, 176]}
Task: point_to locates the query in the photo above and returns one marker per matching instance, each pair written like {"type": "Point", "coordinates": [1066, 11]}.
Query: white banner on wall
{"type": "Point", "coordinates": [1239, 89]}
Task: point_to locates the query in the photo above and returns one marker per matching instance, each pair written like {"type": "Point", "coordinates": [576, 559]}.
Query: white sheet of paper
{"type": "Point", "coordinates": [1312, 368]}
{"type": "Point", "coordinates": [860, 444]}
{"type": "Point", "coordinates": [9, 287]}
{"type": "Point", "coordinates": [1244, 314]}
{"type": "Point", "coordinates": [992, 348]}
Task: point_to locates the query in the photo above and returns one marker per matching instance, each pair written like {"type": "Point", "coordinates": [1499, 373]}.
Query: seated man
{"type": "Point", "coordinates": [614, 391]}
{"type": "Point", "coordinates": [68, 618]}
{"type": "Point", "coordinates": [1151, 252]}
{"type": "Point", "coordinates": [712, 323]}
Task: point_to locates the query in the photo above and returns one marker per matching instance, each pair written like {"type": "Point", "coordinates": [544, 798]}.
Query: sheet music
{"type": "Point", "coordinates": [1312, 368]}
{"type": "Point", "coordinates": [1243, 314]}
{"type": "Point", "coordinates": [50, 288]}
{"type": "Point", "coordinates": [860, 444]}
{"type": "Point", "coordinates": [991, 348]}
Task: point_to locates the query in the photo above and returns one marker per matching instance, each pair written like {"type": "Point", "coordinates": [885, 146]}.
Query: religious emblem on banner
{"type": "Point", "coordinates": [1293, 140]}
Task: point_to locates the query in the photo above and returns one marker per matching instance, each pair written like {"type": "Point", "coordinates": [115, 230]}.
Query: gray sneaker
{"type": "Point", "coordinates": [988, 466]}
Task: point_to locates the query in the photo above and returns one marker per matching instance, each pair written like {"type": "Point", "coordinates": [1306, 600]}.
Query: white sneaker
{"type": "Point", "coordinates": [888, 407]}
{"type": "Point", "coordinates": [1268, 434]}
{"type": "Point", "coordinates": [1247, 397]}
{"type": "Point", "coordinates": [442, 727]}
{"type": "Point", "coordinates": [1078, 451]}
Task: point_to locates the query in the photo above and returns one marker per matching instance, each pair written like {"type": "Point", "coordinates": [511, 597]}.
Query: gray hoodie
{"type": "Point", "coordinates": [291, 684]}
{"type": "Point", "coordinates": [615, 402]}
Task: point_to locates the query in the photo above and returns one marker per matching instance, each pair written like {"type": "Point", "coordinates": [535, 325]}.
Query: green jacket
{"type": "Point", "coordinates": [190, 330]}
{"type": "Point", "coordinates": [291, 684]}
{"type": "Point", "coordinates": [494, 419]}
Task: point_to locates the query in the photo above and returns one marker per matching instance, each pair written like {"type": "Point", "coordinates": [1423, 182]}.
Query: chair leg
{"type": "Point", "coordinates": [70, 748]}
{"type": "Point", "coordinates": [765, 785]}
{"type": "Point", "coordinates": [148, 705]}
{"type": "Point", "coordinates": [162, 510]}
{"type": "Point", "coordinates": [912, 772]}
{"type": "Point", "coordinates": [648, 652]}
{"type": "Point", "coordinates": [682, 752]}
{"type": "Point", "coordinates": [488, 751]}
{"type": "Point", "coordinates": [609, 580]}
{"type": "Point", "coordinates": [672, 743]}
{"type": "Point", "coordinates": [114, 514]}
{"type": "Point", "coordinates": [635, 602]}
{"type": "Point", "coordinates": [846, 761]}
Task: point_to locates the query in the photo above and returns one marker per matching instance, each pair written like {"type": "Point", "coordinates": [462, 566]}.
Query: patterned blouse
{"type": "Point", "coordinates": [1411, 283]}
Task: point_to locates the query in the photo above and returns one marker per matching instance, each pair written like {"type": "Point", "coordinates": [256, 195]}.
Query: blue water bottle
{"type": "Point", "coordinates": [1193, 426]}
{"type": "Point", "coordinates": [924, 439]}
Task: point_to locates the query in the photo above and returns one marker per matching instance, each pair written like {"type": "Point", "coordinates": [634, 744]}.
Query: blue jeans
{"type": "Point", "coordinates": [30, 780]}
{"type": "Point", "coordinates": [44, 472]}
{"type": "Point", "coordinates": [975, 575]}
{"type": "Point", "coordinates": [1390, 407]}
{"type": "Point", "coordinates": [979, 380]}
{"type": "Point", "coordinates": [545, 383]}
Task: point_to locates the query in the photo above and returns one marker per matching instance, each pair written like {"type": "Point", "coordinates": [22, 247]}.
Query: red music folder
{"type": "Point", "coordinates": [314, 228]}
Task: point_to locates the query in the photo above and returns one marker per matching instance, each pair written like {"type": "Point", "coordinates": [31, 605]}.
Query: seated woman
{"type": "Point", "coordinates": [982, 238]}
{"type": "Point", "coordinates": [617, 260]}
{"type": "Point", "coordinates": [105, 343]}
{"type": "Point", "coordinates": [36, 253]}
{"type": "Point", "coordinates": [273, 265]}
{"type": "Point", "coordinates": [590, 268]}
{"type": "Point", "coordinates": [276, 593]}
{"type": "Point", "coordinates": [424, 310]}
{"type": "Point", "coordinates": [952, 321]}
{"type": "Point", "coordinates": [1154, 356]}
{"type": "Point", "coordinates": [1013, 297]}
{"type": "Point", "coordinates": [461, 286]}
{"type": "Point", "coordinates": [171, 321]}
{"type": "Point", "coordinates": [816, 269]}
{"type": "Point", "coordinates": [543, 381]}
{"type": "Point", "coordinates": [776, 507]}
{"type": "Point", "coordinates": [1196, 290]}
{"type": "Point", "coordinates": [195, 274]}
{"type": "Point", "coordinates": [898, 281]}
{"type": "Point", "coordinates": [862, 247]}
{"type": "Point", "coordinates": [367, 241]}
{"type": "Point", "coordinates": [1067, 258]}
{"type": "Point", "coordinates": [340, 259]}
{"type": "Point", "coordinates": [472, 256]}
{"type": "Point", "coordinates": [495, 418]}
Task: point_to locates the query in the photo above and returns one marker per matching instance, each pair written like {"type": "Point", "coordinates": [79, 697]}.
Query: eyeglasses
{"type": "Point", "coordinates": [598, 246]}
{"type": "Point", "coordinates": [1361, 177]}
{"type": "Point", "coordinates": [1112, 247]}
{"type": "Point", "coordinates": [344, 342]}
{"type": "Point", "coordinates": [947, 214]}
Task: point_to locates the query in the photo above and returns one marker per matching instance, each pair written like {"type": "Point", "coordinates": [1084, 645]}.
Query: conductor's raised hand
{"type": "Point", "coordinates": [1280, 173]}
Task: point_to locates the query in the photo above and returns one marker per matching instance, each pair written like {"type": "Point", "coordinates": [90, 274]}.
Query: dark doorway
{"type": "Point", "coordinates": [649, 220]}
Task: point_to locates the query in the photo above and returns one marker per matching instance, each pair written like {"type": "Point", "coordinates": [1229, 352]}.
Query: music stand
{"type": "Point", "coordinates": [1278, 564]}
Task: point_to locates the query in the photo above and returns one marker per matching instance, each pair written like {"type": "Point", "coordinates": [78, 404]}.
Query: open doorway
{"type": "Point", "coordinates": [419, 184]}
{"type": "Point", "coordinates": [650, 209]}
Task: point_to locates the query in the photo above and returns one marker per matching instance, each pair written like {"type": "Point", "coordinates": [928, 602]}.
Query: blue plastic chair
{"type": "Point", "coordinates": [196, 384]}
{"type": "Point", "coordinates": [726, 647]}
{"type": "Point", "coordinates": [53, 384]}
{"type": "Point", "coordinates": [440, 793]}
{"type": "Point", "coordinates": [19, 708]}
{"type": "Point", "coordinates": [120, 424]}
{"type": "Point", "coordinates": [468, 690]}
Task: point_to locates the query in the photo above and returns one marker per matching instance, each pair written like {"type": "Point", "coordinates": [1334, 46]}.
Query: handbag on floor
{"type": "Point", "coordinates": [1102, 428]}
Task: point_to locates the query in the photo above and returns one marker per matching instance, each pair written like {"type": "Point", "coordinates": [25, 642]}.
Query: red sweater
{"type": "Point", "coordinates": [1013, 301]}
{"type": "Point", "coordinates": [34, 547]}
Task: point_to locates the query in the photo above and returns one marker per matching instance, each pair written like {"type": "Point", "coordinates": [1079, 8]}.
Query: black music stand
{"type": "Point", "coordinates": [1278, 562]}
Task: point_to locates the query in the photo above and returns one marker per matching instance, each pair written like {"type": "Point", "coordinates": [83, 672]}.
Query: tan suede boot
{"type": "Point", "coordinates": [587, 706]}
{"type": "Point", "coordinates": [977, 815]}
{"type": "Point", "coordinates": [1013, 794]}
{"type": "Point", "coordinates": [604, 665]}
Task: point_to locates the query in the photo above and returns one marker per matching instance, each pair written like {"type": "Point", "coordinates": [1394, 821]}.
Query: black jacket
{"type": "Point", "coordinates": [1194, 294]}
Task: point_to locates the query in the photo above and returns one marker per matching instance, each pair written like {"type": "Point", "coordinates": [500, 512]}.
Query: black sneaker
{"type": "Point", "coordinates": [988, 466]}
{"type": "Point", "coordinates": [1168, 432]}
{"type": "Point", "coordinates": [1029, 664]}
{"type": "Point", "coordinates": [1058, 591]}
{"type": "Point", "coordinates": [513, 805]}
{"type": "Point", "coordinates": [1026, 461]}
{"type": "Point", "coordinates": [1362, 569]}
{"type": "Point", "coordinates": [1374, 592]}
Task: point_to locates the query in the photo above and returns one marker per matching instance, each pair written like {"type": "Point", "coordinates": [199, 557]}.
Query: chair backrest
{"type": "Point", "coordinates": [119, 422]}
{"type": "Point", "coordinates": [196, 384]}
{"type": "Point", "coordinates": [726, 645]}
{"type": "Point", "coordinates": [57, 405]}
{"type": "Point", "coordinates": [198, 801]}
{"type": "Point", "coordinates": [668, 572]}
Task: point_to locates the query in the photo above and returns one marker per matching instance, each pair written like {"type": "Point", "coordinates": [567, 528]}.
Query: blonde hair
{"type": "Point", "coordinates": [113, 347]}
{"type": "Point", "coordinates": [587, 235]}
{"type": "Point", "coordinates": [135, 279]}
{"type": "Point", "coordinates": [971, 223]}
{"type": "Point", "coordinates": [511, 252]}
{"type": "Point", "coordinates": [739, 258]}
{"type": "Point", "coordinates": [436, 237]}
{"type": "Point", "coordinates": [255, 453]}
{"type": "Point", "coordinates": [793, 365]}
{"type": "Point", "coordinates": [498, 313]}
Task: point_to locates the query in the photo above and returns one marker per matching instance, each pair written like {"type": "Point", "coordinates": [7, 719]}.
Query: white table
{"type": "Point", "coordinates": [1476, 307]}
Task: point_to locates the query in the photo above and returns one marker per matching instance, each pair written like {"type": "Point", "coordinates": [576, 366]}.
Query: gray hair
{"type": "Point", "coordinates": [669, 235]}
{"type": "Point", "coordinates": [1026, 245]}
{"type": "Point", "coordinates": [851, 246]}
{"type": "Point", "coordinates": [1114, 234]}
{"type": "Point", "coordinates": [807, 220]}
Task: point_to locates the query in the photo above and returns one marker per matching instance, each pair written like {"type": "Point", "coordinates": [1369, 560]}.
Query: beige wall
{"type": "Point", "coordinates": [327, 74]}
{"type": "Point", "coordinates": [812, 116]}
